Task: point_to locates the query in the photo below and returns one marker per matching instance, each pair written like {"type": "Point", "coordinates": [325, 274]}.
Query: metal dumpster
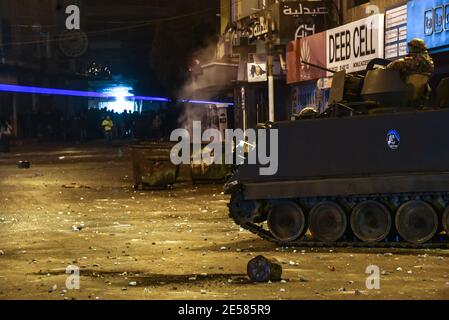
{"type": "Point", "coordinates": [210, 173]}
{"type": "Point", "coordinates": [152, 166]}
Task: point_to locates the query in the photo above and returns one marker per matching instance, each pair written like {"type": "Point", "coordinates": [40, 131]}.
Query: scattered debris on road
{"type": "Point", "coordinates": [23, 164]}
{"type": "Point", "coordinates": [261, 269]}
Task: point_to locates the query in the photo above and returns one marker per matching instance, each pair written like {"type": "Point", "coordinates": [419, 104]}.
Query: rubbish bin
{"type": "Point", "coordinates": [203, 173]}
{"type": "Point", "coordinates": [152, 166]}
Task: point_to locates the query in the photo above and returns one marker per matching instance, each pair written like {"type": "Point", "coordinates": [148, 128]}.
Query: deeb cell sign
{"type": "Point", "coordinates": [352, 46]}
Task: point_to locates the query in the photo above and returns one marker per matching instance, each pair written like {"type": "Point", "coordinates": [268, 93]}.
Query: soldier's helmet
{"type": "Point", "coordinates": [417, 45]}
{"type": "Point", "coordinates": [308, 113]}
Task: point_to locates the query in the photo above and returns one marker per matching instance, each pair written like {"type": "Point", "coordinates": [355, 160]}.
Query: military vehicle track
{"type": "Point", "coordinates": [438, 201]}
{"type": "Point", "coordinates": [266, 235]}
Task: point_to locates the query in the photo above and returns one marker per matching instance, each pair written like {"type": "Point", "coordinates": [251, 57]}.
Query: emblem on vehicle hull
{"type": "Point", "coordinates": [393, 139]}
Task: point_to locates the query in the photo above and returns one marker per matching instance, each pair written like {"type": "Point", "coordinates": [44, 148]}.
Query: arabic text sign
{"type": "Point", "coordinates": [259, 28]}
{"type": "Point", "coordinates": [352, 46]}
{"type": "Point", "coordinates": [429, 20]}
{"type": "Point", "coordinates": [309, 17]}
{"type": "Point", "coordinates": [298, 9]}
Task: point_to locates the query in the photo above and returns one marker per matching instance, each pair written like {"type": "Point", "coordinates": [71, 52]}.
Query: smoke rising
{"type": "Point", "coordinates": [195, 88]}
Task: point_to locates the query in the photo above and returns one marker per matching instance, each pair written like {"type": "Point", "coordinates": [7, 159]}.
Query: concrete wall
{"type": "Point", "coordinates": [225, 15]}
{"type": "Point", "coordinates": [360, 12]}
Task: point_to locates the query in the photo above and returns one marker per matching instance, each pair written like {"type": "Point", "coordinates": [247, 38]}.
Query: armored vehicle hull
{"type": "Point", "coordinates": [378, 180]}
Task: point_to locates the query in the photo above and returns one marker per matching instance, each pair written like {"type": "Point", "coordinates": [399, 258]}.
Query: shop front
{"type": "Point", "coordinates": [352, 46]}
{"type": "Point", "coordinates": [263, 36]}
{"type": "Point", "coordinates": [311, 61]}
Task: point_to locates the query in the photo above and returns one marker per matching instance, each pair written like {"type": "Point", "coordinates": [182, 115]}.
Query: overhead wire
{"type": "Point", "coordinates": [136, 26]}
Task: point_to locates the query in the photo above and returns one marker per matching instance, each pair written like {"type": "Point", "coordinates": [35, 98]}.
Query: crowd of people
{"type": "Point", "coordinates": [151, 125]}
{"type": "Point", "coordinates": [91, 124]}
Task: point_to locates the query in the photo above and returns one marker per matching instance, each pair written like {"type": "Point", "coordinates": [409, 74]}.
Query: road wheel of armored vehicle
{"type": "Point", "coordinates": [371, 221]}
{"type": "Point", "coordinates": [446, 221]}
{"type": "Point", "coordinates": [287, 221]}
{"type": "Point", "coordinates": [241, 210]}
{"type": "Point", "coordinates": [417, 222]}
{"type": "Point", "coordinates": [328, 222]}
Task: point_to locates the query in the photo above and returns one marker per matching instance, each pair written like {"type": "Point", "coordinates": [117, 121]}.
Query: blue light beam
{"type": "Point", "coordinates": [91, 94]}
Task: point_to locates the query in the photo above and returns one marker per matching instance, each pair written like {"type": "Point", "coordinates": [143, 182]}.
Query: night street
{"type": "Point", "coordinates": [76, 206]}
{"type": "Point", "coordinates": [224, 158]}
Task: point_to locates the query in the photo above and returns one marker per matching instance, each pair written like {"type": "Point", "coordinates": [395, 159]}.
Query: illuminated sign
{"type": "Point", "coordinates": [352, 46]}
{"type": "Point", "coordinates": [396, 32]}
{"type": "Point", "coordinates": [429, 20]}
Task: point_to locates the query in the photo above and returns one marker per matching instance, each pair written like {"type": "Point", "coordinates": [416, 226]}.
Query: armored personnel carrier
{"type": "Point", "coordinates": [371, 171]}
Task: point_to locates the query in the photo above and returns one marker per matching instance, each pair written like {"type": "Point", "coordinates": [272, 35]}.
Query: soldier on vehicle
{"type": "Point", "coordinates": [415, 70]}
{"type": "Point", "coordinates": [417, 61]}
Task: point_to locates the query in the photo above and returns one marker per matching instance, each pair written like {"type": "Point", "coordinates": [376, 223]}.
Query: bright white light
{"type": "Point", "coordinates": [120, 93]}
{"type": "Point", "coordinates": [121, 102]}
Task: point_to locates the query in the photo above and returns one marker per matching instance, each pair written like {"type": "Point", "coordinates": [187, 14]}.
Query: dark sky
{"type": "Point", "coordinates": [158, 37]}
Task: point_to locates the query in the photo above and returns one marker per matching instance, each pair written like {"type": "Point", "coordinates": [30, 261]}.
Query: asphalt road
{"type": "Point", "coordinates": [76, 206]}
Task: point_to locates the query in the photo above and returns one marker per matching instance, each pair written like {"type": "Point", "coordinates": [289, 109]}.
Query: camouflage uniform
{"type": "Point", "coordinates": [417, 61]}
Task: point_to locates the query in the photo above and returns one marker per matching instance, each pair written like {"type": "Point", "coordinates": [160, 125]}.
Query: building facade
{"type": "Point", "coordinates": [351, 34]}
{"type": "Point", "coordinates": [371, 29]}
{"type": "Point", "coordinates": [353, 10]}
{"type": "Point", "coordinates": [33, 52]}
{"type": "Point", "coordinates": [253, 44]}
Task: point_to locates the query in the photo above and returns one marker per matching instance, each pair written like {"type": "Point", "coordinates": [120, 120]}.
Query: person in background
{"type": "Point", "coordinates": [5, 136]}
{"type": "Point", "coordinates": [108, 125]}
{"type": "Point", "coordinates": [157, 123]}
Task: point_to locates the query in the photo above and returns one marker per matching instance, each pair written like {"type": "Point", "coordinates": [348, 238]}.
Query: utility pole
{"type": "Point", "coordinates": [243, 103]}
{"type": "Point", "coordinates": [270, 62]}
{"type": "Point", "coordinates": [270, 71]}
